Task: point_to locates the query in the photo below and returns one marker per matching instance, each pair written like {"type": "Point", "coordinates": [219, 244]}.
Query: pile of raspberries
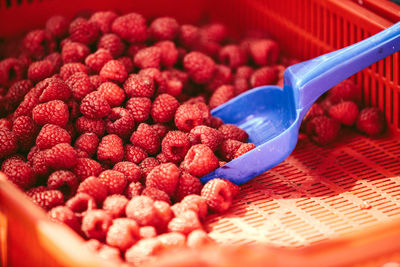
{"type": "Point", "coordinates": [105, 123]}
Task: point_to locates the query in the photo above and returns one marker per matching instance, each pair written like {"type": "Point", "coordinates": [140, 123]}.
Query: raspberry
{"type": "Point", "coordinates": [97, 60]}
{"type": "Point", "coordinates": [323, 130]}
{"type": "Point", "coordinates": [216, 32]}
{"type": "Point", "coordinates": [147, 165]}
{"type": "Point", "coordinates": [51, 135]}
{"type": "Point", "coordinates": [139, 107]}
{"type": "Point", "coordinates": [134, 154]}
{"type": "Point", "coordinates": [114, 181]}
{"type": "Point", "coordinates": [11, 70]}
{"type": "Point", "coordinates": [67, 70]}
{"type": "Point", "coordinates": [229, 148]}
{"type": "Point", "coordinates": [39, 163]}
{"type": "Point", "coordinates": [207, 46]}
{"type": "Point", "coordinates": [35, 190]}
{"type": "Point", "coordinates": [231, 131]}
{"type": "Point", "coordinates": [56, 60]}
{"type": "Point", "coordinates": [18, 172]}
{"type": "Point", "coordinates": [221, 95]}
{"type": "Point", "coordinates": [197, 239]}
{"type": "Point", "coordinates": [175, 145]}
{"type": "Point", "coordinates": [110, 149]}
{"type": "Point", "coordinates": [129, 169]}
{"type": "Point", "coordinates": [145, 137]}
{"type": "Point", "coordinates": [81, 203]}
{"type": "Point", "coordinates": [215, 122]}
{"type": "Point", "coordinates": [345, 91]}
{"type": "Point", "coordinates": [164, 108]}
{"type": "Point", "coordinates": [169, 53]}
{"type": "Point", "coordinates": [199, 160]}
{"type": "Point", "coordinates": [243, 149]}
{"type": "Point", "coordinates": [244, 72]}
{"type": "Point", "coordinates": [120, 122]}
{"type": "Point", "coordinates": [189, 35]}
{"type": "Point", "coordinates": [38, 43]}
{"type": "Point", "coordinates": [264, 51]}
{"type": "Point", "coordinates": [53, 112]}
{"type": "Point", "coordinates": [64, 181]}
{"type": "Point", "coordinates": [371, 121]}
{"type": "Point", "coordinates": [232, 56]}
{"type": "Point", "coordinates": [134, 189]}
{"type": "Point", "coordinates": [148, 57]}
{"type": "Point", "coordinates": [130, 27]}
{"type": "Point", "coordinates": [57, 26]}
{"type": "Point", "coordinates": [74, 52]}
{"type": "Point", "coordinates": [172, 240]}
{"type": "Point", "coordinates": [217, 194]}
{"type": "Point", "coordinates": [40, 70]}
{"type": "Point", "coordinates": [48, 199]}
{"type": "Point", "coordinates": [93, 187]}
{"type": "Point", "coordinates": [188, 116]}
{"type": "Point", "coordinates": [160, 129]}
{"type": "Point", "coordinates": [17, 91]}
{"type": "Point", "coordinates": [315, 111]}
{"type": "Point", "coordinates": [61, 156]}
{"type": "Point", "coordinates": [123, 233]}
{"type": "Point", "coordinates": [30, 101]}
{"type": "Point", "coordinates": [200, 67]}
{"type": "Point", "coordinates": [187, 185]}
{"type": "Point", "coordinates": [103, 20]}
{"type": "Point", "coordinates": [139, 86]}
{"type": "Point", "coordinates": [195, 203]}
{"type": "Point", "coordinates": [185, 223]}
{"type": "Point", "coordinates": [156, 194]}
{"type": "Point", "coordinates": [113, 70]}
{"type": "Point", "coordinates": [95, 106]}
{"type": "Point", "coordinates": [95, 224]}
{"type": "Point", "coordinates": [205, 135]}
{"type": "Point", "coordinates": [86, 125]}
{"type": "Point", "coordinates": [25, 131]}
{"type": "Point", "coordinates": [263, 76]}
{"type": "Point", "coordinates": [161, 158]}
{"type": "Point", "coordinates": [96, 80]}
{"type": "Point", "coordinates": [83, 31]}
{"type": "Point", "coordinates": [8, 142]}
{"type": "Point", "coordinates": [222, 76]}
{"type": "Point", "coordinates": [147, 232]}
{"type": "Point", "coordinates": [5, 123]}
{"type": "Point", "coordinates": [64, 215]}
{"type": "Point", "coordinates": [345, 112]}
{"type": "Point", "coordinates": [164, 177]}
{"type": "Point", "coordinates": [87, 142]}
{"type": "Point", "coordinates": [115, 205]}
{"type": "Point", "coordinates": [141, 209]}
{"type": "Point", "coordinates": [112, 43]}
{"type": "Point", "coordinates": [55, 89]}
{"type": "Point", "coordinates": [164, 214]}
{"type": "Point", "coordinates": [143, 251]}
{"type": "Point", "coordinates": [164, 28]}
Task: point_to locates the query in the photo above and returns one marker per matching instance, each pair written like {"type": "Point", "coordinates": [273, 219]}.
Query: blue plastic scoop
{"type": "Point", "coordinates": [272, 115]}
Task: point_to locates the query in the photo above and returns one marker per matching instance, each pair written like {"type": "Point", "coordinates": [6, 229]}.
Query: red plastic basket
{"type": "Point", "coordinates": [323, 206]}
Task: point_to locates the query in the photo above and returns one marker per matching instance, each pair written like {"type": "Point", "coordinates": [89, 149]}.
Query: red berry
{"type": "Point", "coordinates": [113, 70]}
{"type": "Point", "coordinates": [371, 121]}
{"type": "Point", "coordinates": [141, 209]}
{"type": "Point", "coordinates": [93, 187]}
{"type": "Point", "coordinates": [120, 122]}
{"type": "Point", "coordinates": [200, 67]}
{"type": "Point", "coordinates": [161, 158]}
{"type": "Point", "coordinates": [205, 135]}
{"type": "Point", "coordinates": [51, 135]}
{"type": "Point", "coordinates": [74, 52]}
{"type": "Point", "coordinates": [38, 43]}
{"type": "Point", "coordinates": [221, 95]}
{"type": "Point", "coordinates": [39, 163]}
{"type": "Point", "coordinates": [95, 224]}
{"type": "Point", "coordinates": [80, 85]}
{"type": "Point", "coordinates": [315, 111]}
{"type": "Point", "coordinates": [67, 70]}
{"type": "Point", "coordinates": [110, 149]}
{"type": "Point", "coordinates": [323, 130]}
{"type": "Point", "coordinates": [195, 203]}
{"type": "Point", "coordinates": [231, 131]}
{"type": "Point", "coordinates": [95, 106]}
{"type": "Point", "coordinates": [164, 214]}
{"type": "Point", "coordinates": [187, 185]}
{"type": "Point", "coordinates": [130, 27]}
{"type": "Point", "coordinates": [103, 20]}
{"type": "Point", "coordinates": [164, 177]}
{"type": "Point", "coordinates": [148, 57]}
{"type": "Point", "coordinates": [200, 160]}
{"type": "Point", "coordinates": [56, 60]}
{"type": "Point", "coordinates": [139, 86]}
{"type": "Point", "coordinates": [345, 91]}
{"type": "Point", "coordinates": [197, 239]}
{"type": "Point", "coordinates": [25, 130]}
{"type": "Point", "coordinates": [156, 194]}
{"type": "Point", "coordinates": [17, 91]}
{"type": "Point", "coordinates": [229, 148]}
{"type": "Point", "coordinates": [189, 35]}
{"type": "Point", "coordinates": [61, 156]}
{"type": "Point", "coordinates": [185, 223]}
{"type": "Point", "coordinates": [160, 129]}
{"type": "Point", "coordinates": [123, 233]}
{"type": "Point", "coordinates": [145, 137]}
{"type": "Point", "coordinates": [86, 125]}
{"type": "Point", "coordinates": [96, 80]}
{"type": "Point", "coordinates": [264, 51]}
{"type": "Point", "coordinates": [345, 112]}
{"type": "Point", "coordinates": [81, 203]}
{"type": "Point", "coordinates": [244, 72]}
{"type": "Point", "coordinates": [57, 26]}
{"type": "Point", "coordinates": [55, 89]}
{"type": "Point", "coordinates": [139, 107]}
{"type": "Point", "coordinates": [48, 199]}
{"type": "Point", "coordinates": [115, 205]}
{"type": "Point", "coordinates": [35, 190]}
{"type": "Point", "coordinates": [83, 31]}
{"type": "Point", "coordinates": [188, 116]}
{"type": "Point", "coordinates": [128, 63]}
{"type": "Point", "coordinates": [87, 142]}
{"type": "Point", "coordinates": [18, 172]}
{"type": "Point", "coordinates": [147, 165]}
{"type": "Point", "coordinates": [64, 181]}
{"type": "Point", "coordinates": [40, 70]}
{"type": "Point", "coordinates": [129, 169]}
{"type": "Point", "coordinates": [114, 181]}
{"type": "Point", "coordinates": [11, 70]}
{"type": "Point", "coordinates": [215, 122]}
{"type": "Point", "coordinates": [164, 28]}
{"type": "Point", "coordinates": [263, 76]}
{"type": "Point", "coordinates": [216, 32]}
{"type": "Point", "coordinates": [98, 59]}
{"type": "Point", "coordinates": [217, 194]}
{"type": "Point", "coordinates": [222, 76]}
{"type": "Point", "coordinates": [6, 123]}
{"type": "Point", "coordinates": [112, 43]}
{"type": "Point", "coordinates": [8, 142]}
{"type": "Point", "coordinates": [64, 215]}
{"type": "Point", "coordinates": [54, 112]}
{"type": "Point", "coordinates": [134, 189]}
{"type": "Point", "coordinates": [232, 56]}
{"type": "Point", "coordinates": [169, 53]}
{"type": "Point", "coordinates": [134, 154]}
{"type": "Point", "coordinates": [164, 108]}
{"type": "Point", "coordinates": [243, 149]}
{"type": "Point", "coordinates": [175, 145]}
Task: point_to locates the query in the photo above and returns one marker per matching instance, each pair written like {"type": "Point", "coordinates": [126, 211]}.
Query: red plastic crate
{"type": "Point", "coordinates": [323, 206]}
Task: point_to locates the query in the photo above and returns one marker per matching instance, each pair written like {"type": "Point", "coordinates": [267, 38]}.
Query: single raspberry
{"type": "Point", "coordinates": [35, 190]}
{"type": "Point", "coordinates": [217, 194]}
{"type": "Point", "coordinates": [141, 209]}
{"type": "Point", "coordinates": [164, 214]}
{"type": "Point", "coordinates": [96, 80]}
{"type": "Point", "coordinates": [175, 145]}
{"type": "Point", "coordinates": [103, 20]}
{"type": "Point", "coordinates": [115, 205]}
{"type": "Point", "coordinates": [130, 27]}
{"type": "Point", "coordinates": [64, 181]}
{"type": "Point", "coordinates": [232, 56]}
{"type": "Point", "coordinates": [87, 142]}
{"type": "Point", "coordinates": [81, 203]}
{"type": "Point", "coordinates": [264, 51]}
{"type": "Point", "coordinates": [95, 106]}
{"type": "Point", "coordinates": [371, 121]}
{"type": "Point", "coordinates": [164, 177]}
{"type": "Point", "coordinates": [315, 111]}
{"type": "Point", "coordinates": [83, 31]}
{"type": "Point", "coordinates": [31, 100]}
{"type": "Point", "coordinates": [200, 160]}
{"type": "Point", "coordinates": [57, 26]}
{"type": "Point", "coordinates": [54, 112]}
{"type": "Point", "coordinates": [61, 156]}
{"type": "Point", "coordinates": [134, 154]}
{"type": "Point", "coordinates": [156, 194]}
{"type": "Point", "coordinates": [216, 32]}
{"type": "Point", "coordinates": [120, 122]}
{"type": "Point", "coordinates": [244, 72]}
{"type": "Point", "coordinates": [48, 199]}
{"type": "Point", "coordinates": [110, 149]}
{"type": "Point", "coordinates": [164, 28]}
{"type": "Point", "coordinates": [169, 53]}
{"type": "Point", "coordinates": [145, 137]}
{"type": "Point", "coordinates": [173, 87]}
{"type": "Point", "coordinates": [123, 233]}
{"type": "Point", "coordinates": [139, 86]}
{"type": "Point", "coordinates": [231, 131]}
{"type": "Point", "coordinates": [229, 148]}
{"type": "Point", "coordinates": [64, 215]}
{"type": "Point", "coordinates": [6, 123]}
{"type": "Point", "coordinates": [8, 142]}
{"type": "Point", "coordinates": [185, 223]}
{"type": "Point", "coordinates": [172, 240]}
{"type": "Point", "coordinates": [200, 67]}
{"type": "Point", "coordinates": [345, 112]}
{"type": "Point", "coordinates": [243, 149]}
{"type": "Point", "coordinates": [74, 52]}
{"type": "Point", "coordinates": [114, 181]}
{"type": "Point", "coordinates": [86, 125]}
{"type": "Point", "coordinates": [134, 189]}
{"type": "Point", "coordinates": [40, 70]}
{"type": "Point", "coordinates": [147, 232]}
{"type": "Point", "coordinates": [11, 70]}
{"type": "Point", "coordinates": [67, 70]}
{"type": "Point", "coordinates": [51, 135]}
{"type": "Point", "coordinates": [263, 76]}
{"type": "Point", "coordinates": [189, 35]}
{"type": "Point", "coordinates": [205, 135]}
{"type": "Point", "coordinates": [161, 158]}
{"type": "Point", "coordinates": [215, 122]}
{"type": "Point", "coordinates": [187, 185]}
{"type": "Point", "coordinates": [38, 43]}
{"type": "Point", "coordinates": [112, 43]}
{"type": "Point", "coordinates": [55, 89]}
{"type": "Point", "coordinates": [194, 203]}
{"type": "Point", "coordinates": [345, 91]}
{"type": "Point", "coordinates": [95, 224]}
{"type": "Point", "coordinates": [160, 129]}
{"type": "Point", "coordinates": [222, 76]}
{"type": "Point", "coordinates": [17, 91]}
{"type": "Point", "coordinates": [97, 60]}
{"type": "Point", "coordinates": [139, 107]}
{"type": "Point", "coordinates": [113, 70]}
{"type": "Point", "coordinates": [221, 95]}
{"type": "Point", "coordinates": [197, 239]}
{"type": "Point", "coordinates": [188, 116]}
{"type": "Point", "coordinates": [93, 187]}
{"type": "Point", "coordinates": [164, 108]}
{"type": "Point", "coordinates": [323, 130]}
{"type": "Point", "coordinates": [18, 172]}
{"type": "Point", "coordinates": [25, 131]}
{"type": "Point", "coordinates": [39, 163]}
{"type": "Point", "coordinates": [143, 251]}
{"type": "Point", "coordinates": [147, 165]}
{"type": "Point", "coordinates": [149, 57]}
{"type": "Point", "coordinates": [129, 169]}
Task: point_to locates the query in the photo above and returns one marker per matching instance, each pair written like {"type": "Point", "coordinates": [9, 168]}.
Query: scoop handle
{"type": "Point", "coordinates": [310, 79]}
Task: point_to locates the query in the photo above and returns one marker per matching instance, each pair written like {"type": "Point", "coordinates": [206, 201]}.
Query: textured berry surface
{"type": "Point", "coordinates": [345, 91]}
{"type": "Point", "coordinates": [123, 233]}
{"type": "Point", "coordinates": [149, 57]}
{"type": "Point", "coordinates": [40, 70]}
{"type": "Point", "coordinates": [115, 205]}
{"type": "Point", "coordinates": [130, 27]}
{"type": "Point", "coordinates": [61, 156]}
{"type": "Point", "coordinates": [54, 112]}
{"type": "Point", "coordinates": [185, 223]}
{"type": "Point", "coordinates": [97, 60]}
{"type": "Point", "coordinates": [74, 52]}
{"type": "Point", "coordinates": [65, 215]}
{"type": "Point", "coordinates": [200, 67]}
{"type": "Point", "coordinates": [51, 135]}
{"type": "Point", "coordinates": [141, 209]}
{"type": "Point", "coordinates": [200, 160]}
{"type": "Point", "coordinates": [164, 177]}
{"type": "Point", "coordinates": [243, 149]}
{"type": "Point", "coordinates": [48, 199]}
{"type": "Point", "coordinates": [156, 194]}
{"type": "Point", "coordinates": [57, 26]}
{"type": "Point", "coordinates": [164, 28]}
{"type": "Point", "coordinates": [139, 86]}
{"type": "Point", "coordinates": [64, 181]}
{"type": "Point", "coordinates": [345, 112]}
{"type": "Point", "coordinates": [147, 165]}
{"type": "Point", "coordinates": [120, 122]}
{"type": "Point", "coordinates": [112, 93]}
{"type": "Point", "coordinates": [93, 187]}
{"type": "Point", "coordinates": [80, 85]}
{"type": "Point", "coordinates": [134, 154]}
{"type": "Point", "coordinates": [139, 107]}
{"type": "Point", "coordinates": [323, 130]}
{"type": "Point", "coordinates": [55, 89]}
{"type": "Point", "coordinates": [103, 20]}
{"type": "Point", "coordinates": [205, 135]}
{"type": "Point", "coordinates": [187, 185]}
{"type": "Point", "coordinates": [113, 70]}
{"type": "Point", "coordinates": [25, 130]}
{"type": "Point", "coordinates": [134, 189]}
{"type": "Point", "coordinates": [188, 116]}
{"type": "Point", "coordinates": [371, 121]}
{"type": "Point", "coordinates": [18, 172]}
{"type": "Point", "coordinates": [112, 43]}
{"type": "Point", "coordinates": [81, 203]}
{"type": "Point", "coordinates": [110, 149]}
{"type": "Point", "coordinates": [95, 106]}
{"type": "Point", "coordinates": [163, 108]}
{"type": "Point", "coordinates": [87, 142]}
{"type": "Point", "coordinates": [95, 224]}
{"type": "Point", "coordinates": [86, 125]}
{"type": "Point", "coordinates": [114, 181]}
{"type": "Point", "coordinates": [221, 95]}
{"type": "Point", "coordinates": [146, 138]}
{"type": "Point", "coordinates": [175, 145]}
{"type": "Point", "coordinates": [231, 131]}
{"type": "Point", "coordinates": [84, 31]}
{"type": "Point", "coordinates": [263, 76]}
{"type": "Point", "coordinates": [217, 194]}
